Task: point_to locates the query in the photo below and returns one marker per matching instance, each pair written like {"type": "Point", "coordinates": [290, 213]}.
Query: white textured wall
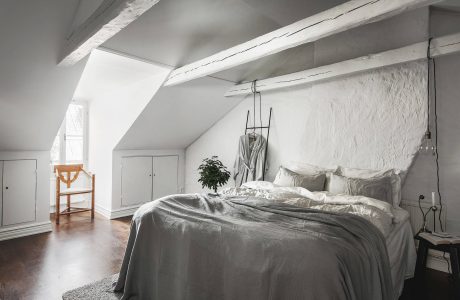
{"type": "Point", "coordinates": [370, 120]}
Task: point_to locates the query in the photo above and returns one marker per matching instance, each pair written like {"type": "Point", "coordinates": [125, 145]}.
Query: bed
{"type": "Point", "coordinates": [267, 242]}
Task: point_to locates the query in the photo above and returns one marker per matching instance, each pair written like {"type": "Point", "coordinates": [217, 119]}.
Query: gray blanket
{"type": "Point", "coordinates": [197, 247]}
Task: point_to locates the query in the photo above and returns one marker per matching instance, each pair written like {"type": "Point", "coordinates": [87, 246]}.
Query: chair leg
{"type": "Point", "coordinates": [57, 207]}
{"type": "Point", "coordinates": [68, 203]}
{"type": "Point", "coordinates": [92, 196]}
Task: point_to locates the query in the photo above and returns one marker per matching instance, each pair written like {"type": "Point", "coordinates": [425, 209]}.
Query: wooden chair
{"type": "Point", "coordinates": [68, 174]}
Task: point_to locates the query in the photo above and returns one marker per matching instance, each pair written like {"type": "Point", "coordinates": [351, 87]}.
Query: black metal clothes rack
{"type": "Point", "coordinates": [261, 127]}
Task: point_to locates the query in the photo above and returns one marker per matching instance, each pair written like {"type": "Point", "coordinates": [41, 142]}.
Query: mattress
{"type": "Point", "coordinates": [401, 250]}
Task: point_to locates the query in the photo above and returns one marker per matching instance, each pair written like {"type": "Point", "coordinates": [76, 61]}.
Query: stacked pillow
{"type": "Point", "coordinates": [286, 177]}
{"type": "Point", "coordinates": [382, 185]}
{"type": "Point", "coordinates": [311, 177]}
{"type": "Point", "coordinates": [307, 169]}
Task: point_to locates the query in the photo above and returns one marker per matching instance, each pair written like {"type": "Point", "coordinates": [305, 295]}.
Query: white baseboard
{"type": "Point", "coordinates": [123, 212]}
{"type": "Point", "coordinates": [117, 213]}
{"type": "Point", "coordinates": [102, 211]}
{"type": "Point", "coordinates": [24, 230]}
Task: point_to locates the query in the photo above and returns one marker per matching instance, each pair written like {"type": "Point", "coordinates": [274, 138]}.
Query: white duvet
{"type": "Point", "coordinates": [391, 222]}
{"type": "Point", "coordinates": [377, 212]}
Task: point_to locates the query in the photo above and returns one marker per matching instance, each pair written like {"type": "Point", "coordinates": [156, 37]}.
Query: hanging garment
{"type": "Point", "coordinates": [249, 163]}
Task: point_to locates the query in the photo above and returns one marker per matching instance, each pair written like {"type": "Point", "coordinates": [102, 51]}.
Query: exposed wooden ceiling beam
{"type": "Point", "coordinates": [107, 20]}
{"type": "Point", "coordinates": [340, 18]}
{"type": "Point", "coordinates": [439, 46]}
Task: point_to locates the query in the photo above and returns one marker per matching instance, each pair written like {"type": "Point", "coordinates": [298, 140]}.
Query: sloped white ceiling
{"type": "Point", "coordinates": [108, 73]}
{"type": "Point", "coordinates": [34, 91]}
{"type": "Point", "coordinates": [178, 115]}
{"type": "Point", "coordinates": [177, 32]}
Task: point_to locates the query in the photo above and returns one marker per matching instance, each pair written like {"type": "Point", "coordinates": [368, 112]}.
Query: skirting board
{"type": "Point", "coordinates": [24, 230]}
{"type": "Point", "coordinates": [118, 213]}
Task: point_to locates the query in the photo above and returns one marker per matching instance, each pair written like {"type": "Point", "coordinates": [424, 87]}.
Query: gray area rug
{"type": "Point", "coordinates": [98, 290]}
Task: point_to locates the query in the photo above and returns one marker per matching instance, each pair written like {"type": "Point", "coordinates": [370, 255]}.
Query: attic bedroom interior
{"type": "Point", "coordinates": [229, 149]}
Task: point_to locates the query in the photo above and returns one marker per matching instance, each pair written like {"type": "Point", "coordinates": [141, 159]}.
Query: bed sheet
{"type": "Point", "coordinates": [401, 250]}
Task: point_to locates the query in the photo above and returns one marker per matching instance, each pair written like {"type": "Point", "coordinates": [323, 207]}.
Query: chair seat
{"type": "Point", "coordinates": [76, 190]}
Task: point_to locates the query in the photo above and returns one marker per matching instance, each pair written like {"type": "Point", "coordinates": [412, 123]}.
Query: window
{"type": "Point", "coordinates": [70, 144]}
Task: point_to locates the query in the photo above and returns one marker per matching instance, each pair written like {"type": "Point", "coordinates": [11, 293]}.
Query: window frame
{"type": "Point", "coordinates": [62, 136]}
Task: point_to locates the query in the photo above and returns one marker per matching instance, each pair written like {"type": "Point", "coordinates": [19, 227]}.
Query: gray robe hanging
{"type": "Point", "coordinates": [249, 163]}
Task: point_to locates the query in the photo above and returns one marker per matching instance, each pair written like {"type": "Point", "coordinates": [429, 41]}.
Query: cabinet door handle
{"type": "Point", "coordinates": [6, 188]}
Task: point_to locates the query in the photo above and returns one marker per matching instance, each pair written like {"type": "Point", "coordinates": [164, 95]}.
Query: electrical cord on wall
{"type": "Point", "coordinates": [260, 111]}
{"type": "Point", "coordinates": [432, 62]}
{"type": "Point", "coordinates": [254, 92]}
{"type": "Point", "coordinates": [253, 89]}
{"type": "Point", "coordinates": [436, 143]}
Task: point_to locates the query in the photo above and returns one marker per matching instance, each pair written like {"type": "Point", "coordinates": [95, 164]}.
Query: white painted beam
{"type": "Point", "coordinates": [439, 46]}
{"type": "Point", "coordinates": [107, 20]}
{"type": "Point", "coordinates": [445, 45]}
{"type": "Point", "coordinates": [340, 18]}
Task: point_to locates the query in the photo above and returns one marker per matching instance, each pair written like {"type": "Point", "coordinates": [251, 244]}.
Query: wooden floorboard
{"type": "Point", "coordinates": [77, 252]}
{"type": "Point", "coordinates": [80, 251]}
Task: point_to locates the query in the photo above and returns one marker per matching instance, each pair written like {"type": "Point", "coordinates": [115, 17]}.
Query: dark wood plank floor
{"type": "Point", "coordinates": [79, 251]}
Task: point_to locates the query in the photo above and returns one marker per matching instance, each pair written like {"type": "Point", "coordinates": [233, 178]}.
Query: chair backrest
{"type": "Point", "coordinates": [68, 170]}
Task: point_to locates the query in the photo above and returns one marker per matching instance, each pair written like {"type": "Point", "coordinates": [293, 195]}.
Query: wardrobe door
{"type": "Point", "coordinates": [136, 180]}
{"type": "Point", "coordinates": [165, 175]}
{"type": "Point", "coordinates": [19, 189]}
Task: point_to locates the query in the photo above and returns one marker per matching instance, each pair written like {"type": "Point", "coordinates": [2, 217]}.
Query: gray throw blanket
{"type": "Point", "coordinates": [197, 247]}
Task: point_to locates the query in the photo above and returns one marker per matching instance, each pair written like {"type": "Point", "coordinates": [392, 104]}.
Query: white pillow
{"type": "Point", "coordinates": [375, 187]}
{"type": "Point", "coordinates": [288, 178]}
{"type": "Point", "coordinates": [394, 174]}
{"type": "Point", "coordinates": [307, 169]}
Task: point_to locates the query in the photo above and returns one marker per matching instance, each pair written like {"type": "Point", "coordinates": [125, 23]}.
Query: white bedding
{"type": "Point", "coordinates": [401, 250]}
{"type": "Point", "coordinates": [392, 222]}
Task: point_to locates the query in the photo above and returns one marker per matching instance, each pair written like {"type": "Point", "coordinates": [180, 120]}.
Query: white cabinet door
{"type": "Point", "coordinates": [19, 188]}
{"type": "Point", "coordinates": [165, 172]}
{"type": "Point", "coordinates": [136, 180]}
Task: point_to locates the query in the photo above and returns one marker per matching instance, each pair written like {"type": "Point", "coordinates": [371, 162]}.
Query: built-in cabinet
{"type": "Point", "coordinates": [19, 187]}
{"type": "Point", "coordinates": [145, 178]}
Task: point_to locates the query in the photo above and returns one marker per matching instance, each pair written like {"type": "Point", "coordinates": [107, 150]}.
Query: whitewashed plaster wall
{"type": "Point", "coordinates": [370, 120]}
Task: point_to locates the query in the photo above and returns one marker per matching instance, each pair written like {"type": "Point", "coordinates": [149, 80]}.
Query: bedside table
{"type": "Point", "coordinates": [422, 255]}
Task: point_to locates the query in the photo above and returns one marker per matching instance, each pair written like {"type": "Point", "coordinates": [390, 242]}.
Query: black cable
{"type": "Point", "coordinates": [260, 112]}
{"type": "Point", "coordinates": [448, 264]}
{"type": "Point", "coordinates": [432, 61]}
{"type": "Point", "coordinates": [424, 214]}
{"type": "Point", "coordinates": [436, 143]}
{"type": "Point", "coordinates": [428, 85]}
{"type": "Point", "coordinates": [253, 88]}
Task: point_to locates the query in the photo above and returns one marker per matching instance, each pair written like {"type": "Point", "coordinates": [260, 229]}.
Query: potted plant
{"type": "Point", "coordinates": [213, 173]}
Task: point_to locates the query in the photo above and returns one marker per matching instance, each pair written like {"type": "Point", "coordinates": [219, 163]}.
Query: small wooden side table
{"type": "Point", "coordinates": [420, 267]}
